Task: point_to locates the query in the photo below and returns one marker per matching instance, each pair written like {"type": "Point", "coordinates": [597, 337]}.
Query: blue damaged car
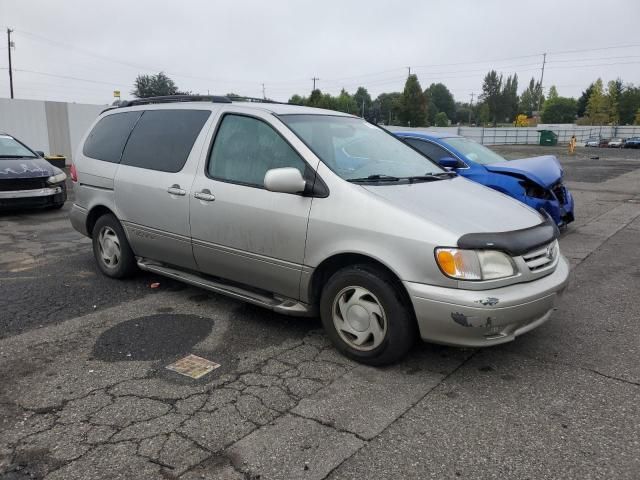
{"type": "Point", "coordinates": [535, 181]}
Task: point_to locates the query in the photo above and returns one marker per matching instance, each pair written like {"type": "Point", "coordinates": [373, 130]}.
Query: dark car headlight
{"type": "Point", "coordinates": [59, 178]}
{"type": "Point", "coordinates": [535, 191]}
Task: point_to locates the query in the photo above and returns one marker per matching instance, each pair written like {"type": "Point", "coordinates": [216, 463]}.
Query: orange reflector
{"type": "Point", "coordinates": [447, 262]}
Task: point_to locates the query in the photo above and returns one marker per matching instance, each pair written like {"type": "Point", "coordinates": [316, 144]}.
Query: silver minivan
{"type": "Point", "coordinates": [312, 212]}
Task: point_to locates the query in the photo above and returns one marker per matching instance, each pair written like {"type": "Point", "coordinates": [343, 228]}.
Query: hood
{"type": "Point", "coordinates": [544, 170]}
{"type": "Point", "coordinates": [26, 168]}
{"type": "Point", "coordinates": [459, 206]}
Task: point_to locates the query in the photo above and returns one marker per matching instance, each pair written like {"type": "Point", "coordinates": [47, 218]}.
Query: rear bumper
{"type": "Point", "coordinates": [37, 198]}
{"type": "Point", "coordinates": [460, 317]}
{"type": "Point", "coordinates": [78, 218]}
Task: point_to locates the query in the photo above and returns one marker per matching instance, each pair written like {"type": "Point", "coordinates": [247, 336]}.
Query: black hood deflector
{"type": "Point", "coordinates": [516, 242]}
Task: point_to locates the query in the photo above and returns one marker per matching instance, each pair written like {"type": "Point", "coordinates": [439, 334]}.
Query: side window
{"type": "Point", "coordinates": [163, 139]}
{"type": "Point", "coordinates": [246, 148]}
{"type": "Point", "coordinates": [107, 139]}
{"type": "Point", "coordinates": [432, 151]}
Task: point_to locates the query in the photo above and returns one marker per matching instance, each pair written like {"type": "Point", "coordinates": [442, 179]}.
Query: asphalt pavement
{"type": "Point", "coordinates": [85, 393]}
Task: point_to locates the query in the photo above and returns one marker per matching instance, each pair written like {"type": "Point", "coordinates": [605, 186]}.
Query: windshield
{"type": "Point", "coordinates": [355, 149]}
{"type": "Point", "coordinates": [474, 151]}
{"type": "Point", "coordinates": [11, 148]}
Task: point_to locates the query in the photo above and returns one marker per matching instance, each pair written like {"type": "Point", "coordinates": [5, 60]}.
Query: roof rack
{"type": "Point", "coordinates": [176, 98]}
{"type": "Point", "coordinates": [241, 98]}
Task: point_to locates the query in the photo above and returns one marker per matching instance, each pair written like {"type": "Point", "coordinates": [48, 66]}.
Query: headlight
{"type": "Point", "coordinates": [61, 177]}
{"type": "Point", "coordinates": [474, 264]}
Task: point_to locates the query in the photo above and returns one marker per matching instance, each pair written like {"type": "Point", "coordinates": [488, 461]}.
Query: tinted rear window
{"type": "Point", "coordinates": [163, 139]}
{"type": "Point", "coordinates": [107, 139]}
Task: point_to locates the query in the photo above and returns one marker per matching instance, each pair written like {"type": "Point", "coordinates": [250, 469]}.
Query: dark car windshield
{"type": "Point", "coordinates": [357, 150]}
{"type": "Point", "coordinates": [474, 151]}
{"type": "Point", "coordinates": [11, 148]}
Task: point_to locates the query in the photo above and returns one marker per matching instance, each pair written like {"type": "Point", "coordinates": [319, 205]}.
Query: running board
{"type": "Point", "coordinates": [285, 306]}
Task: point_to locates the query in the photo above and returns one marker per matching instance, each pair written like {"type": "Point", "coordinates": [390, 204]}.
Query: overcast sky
{"type": "Point", "coordinates": [236, 45]}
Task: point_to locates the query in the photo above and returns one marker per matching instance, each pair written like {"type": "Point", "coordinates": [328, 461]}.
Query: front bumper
{"type": "Point", "coordinates": [480, 318]}
{"type": "Point", "coordinates": [36, 198]}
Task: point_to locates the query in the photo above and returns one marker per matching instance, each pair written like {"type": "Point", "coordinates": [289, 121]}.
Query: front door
{"type": "Point", "coordinates": [153, 183]}
{"type": "Point", "coordinates": [240, 230]}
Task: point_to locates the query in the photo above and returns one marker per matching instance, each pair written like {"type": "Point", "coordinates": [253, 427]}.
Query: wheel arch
{"type": "Point", "coordinates": [332, 264]}
{"type": "Point", "coordinates": [94, 214]}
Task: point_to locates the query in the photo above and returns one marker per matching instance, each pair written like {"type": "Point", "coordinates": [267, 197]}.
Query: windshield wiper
{"type": "Point", "coordinates": [375, 178]}
{"type": "Point", "coordinates": [15, 156]}
{"type": "Point", "coordinates": [430, 177]}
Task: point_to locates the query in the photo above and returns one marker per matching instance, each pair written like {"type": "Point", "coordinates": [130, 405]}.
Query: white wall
{"type": "Point", "coordinates": [26, 120]}
{"type": "Point", "coordinates": [81, 116]}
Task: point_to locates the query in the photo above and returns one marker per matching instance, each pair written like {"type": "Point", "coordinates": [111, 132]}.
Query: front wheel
{"type": "Point", "coordinates": [111, 248]}
{"type": "Point", "coordinates": [367, 316]}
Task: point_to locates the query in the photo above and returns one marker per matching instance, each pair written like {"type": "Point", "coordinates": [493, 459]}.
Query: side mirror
{"type": "Point", "coordinates": [285, 180]}
{"type": "Point", "coordinates": [448, 162]}
{"type": "Point", "coordinates": [40, 152]}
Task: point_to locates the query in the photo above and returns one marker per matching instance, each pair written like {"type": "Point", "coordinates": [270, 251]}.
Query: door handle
{"type": "Point", "coordinates": [176, 190]}
{"type": "Point", "coordinates": [204, 195]}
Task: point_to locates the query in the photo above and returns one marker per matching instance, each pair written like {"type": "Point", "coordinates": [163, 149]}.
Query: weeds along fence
{"type": "Point", "coordinates": [529, 135]}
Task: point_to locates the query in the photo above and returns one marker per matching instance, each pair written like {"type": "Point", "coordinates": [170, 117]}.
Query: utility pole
{"type": "Point", "coordinates": [471, 107]}
{"type": "Point", "coordinates": [264, 95]}
{"type": "Point", "coordinates": [409, 69]}
{"type": "Point", "coordinates": [363, 107]}
{"type": "Point", "coordinates": [544, 60]}
{"type": "Point", "coordinates": [314, 82]}
{"type": "Point", "coordinates": [9, 45]}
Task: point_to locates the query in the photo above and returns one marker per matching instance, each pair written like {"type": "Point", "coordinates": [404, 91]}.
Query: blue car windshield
{"type": "Point", "coordinates": [354, 149]}
{"type": "Point", "coordinates": [474, 151]}
{"type": "Point", "coordinates": [10, 148]}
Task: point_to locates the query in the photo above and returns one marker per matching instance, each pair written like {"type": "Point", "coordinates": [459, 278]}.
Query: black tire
{"type": "Point", "coordinates": [400, 322]}
{"type": "Point", "coordinates": [126, 264]}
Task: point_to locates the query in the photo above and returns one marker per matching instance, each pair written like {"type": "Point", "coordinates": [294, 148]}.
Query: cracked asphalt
{"type": "Point", "coordinates": [84, 392]}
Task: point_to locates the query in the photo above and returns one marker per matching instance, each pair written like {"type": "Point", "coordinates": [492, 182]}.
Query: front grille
{"type": "Point", "coordinates": [541, 257]}
{"type": "Point", "coordinates": [10, 184]}
{"type": "Point", "coordinates": [560, 193]}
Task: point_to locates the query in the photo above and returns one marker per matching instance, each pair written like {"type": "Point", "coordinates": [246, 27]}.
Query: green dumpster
{"type": "Point", "coordinates": [548, 137]}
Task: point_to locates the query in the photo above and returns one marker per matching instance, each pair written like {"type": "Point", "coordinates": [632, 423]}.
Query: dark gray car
{"type": "Point", "coordinates": [26, 179]}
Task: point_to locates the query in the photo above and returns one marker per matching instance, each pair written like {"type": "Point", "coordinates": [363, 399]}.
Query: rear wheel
{"type": "Point", "coordinates": [366, 315]}
{"type": "Point", "coordinates": [111, 248]}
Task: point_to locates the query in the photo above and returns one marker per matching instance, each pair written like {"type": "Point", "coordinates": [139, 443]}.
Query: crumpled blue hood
{"type": "Point", "coordinates": [544, 170]}
{"type": "Point", "coordinates": [26, 168]}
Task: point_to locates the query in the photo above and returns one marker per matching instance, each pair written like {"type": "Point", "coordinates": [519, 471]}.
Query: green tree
{"type": "Point", "coordinates": [414, 111]}
{"type": "Point", "coordinates": [297, 100]}
{"type": "Point", "coordinates": [636, 120]}
{"type": "Point", "coordinates": [363, 100]}
{"type": "Point", "coordinates": [559, 109]}
{"type": "Point", "coordinates": [390, 107]}
{"type": "Point", "coordinates": [553, 93]}
{"type": "Point", "coordinates": [315, 99]}
{"type": "Point", "coordinates": [614, 90]}
{"type": "Point", "coordinates": [153, 86]}
{"type": "Point", "coordinates": [583, 100]}
{"type": "Point", "coordinates": [529, 98]}
{"type": "Point", "coordinates": [346, 103]}
{"type": "Point", "coordinates": [628, 104]}
{"type": "Point", "coordinates": [597, 106]}
{"type": "Point", "coordinates": [492, 95]}
{"type": "Point", "coordinates": [441, 120]}
{"type": "Point", "coordinates": [439, 99]}
{"type": "Point", "coordinates": [510, 97]}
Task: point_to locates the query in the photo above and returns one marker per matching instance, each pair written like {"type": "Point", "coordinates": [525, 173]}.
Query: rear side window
{"type": "Point", "coordinates": [163, 139]}
{"type": "Point", "coordinates": [107, 139]}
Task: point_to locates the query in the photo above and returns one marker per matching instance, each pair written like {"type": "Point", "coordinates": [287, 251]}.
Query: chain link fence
{"type": "Point", "coordinates": [529, 135]}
